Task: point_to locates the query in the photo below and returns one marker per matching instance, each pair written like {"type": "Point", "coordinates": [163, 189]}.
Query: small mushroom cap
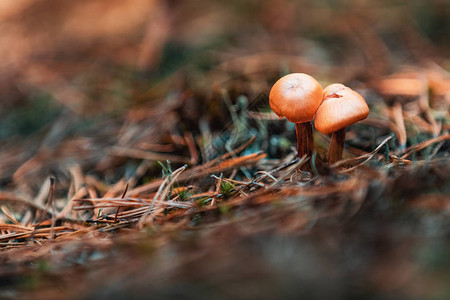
{"type": "Point", "coordinates": [439, 83]}
{"type": "Point", "coordinates": [406, 87]}
{"type": "Point", "coordinates": [340, 108]}
{"type": "Point", "coordinates": [332, 89]}
{"type": "Point", "coordinates": [296, 97]}
{"type": "Point", "coordinates": [402, 84]}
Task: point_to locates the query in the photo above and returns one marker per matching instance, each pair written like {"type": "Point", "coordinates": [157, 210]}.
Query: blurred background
{"type": "Point", "coordinates": [66, 66]}
{"type": "Point", "coordinates": [87, 84]}
{"type": "Point", "coordinates": [99, 56]}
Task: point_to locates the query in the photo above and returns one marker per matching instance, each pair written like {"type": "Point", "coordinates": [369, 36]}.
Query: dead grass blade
{"type": "Point", "coordinates": [366, 157]}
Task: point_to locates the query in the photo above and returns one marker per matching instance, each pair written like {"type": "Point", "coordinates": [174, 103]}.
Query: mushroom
{"type": "Point", "coordinates": [400, 92]}
{"type": "Point", "coordinates": [340, 108]}
{"type": "Point", "coordinates": [296, 97]}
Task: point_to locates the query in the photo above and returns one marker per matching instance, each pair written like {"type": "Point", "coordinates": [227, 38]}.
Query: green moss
{"type": "Point", "coordinates": [183, 194]}
{"type": "Point", "coordinates": [226, 189]}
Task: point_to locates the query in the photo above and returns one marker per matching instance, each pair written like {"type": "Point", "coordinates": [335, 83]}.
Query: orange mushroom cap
{"type": "Point", "coordinates": [333, 88]}
{"type": "Point", "coordinates": [340, 108]}
{"type": "Point", "coordinates": [404, 84]}
{"type": "Point", "coordinates": [296, 97]}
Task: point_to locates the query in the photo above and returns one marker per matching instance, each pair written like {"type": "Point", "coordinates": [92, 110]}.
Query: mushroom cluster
{"type": "Point", "coordinates": [299, 98]}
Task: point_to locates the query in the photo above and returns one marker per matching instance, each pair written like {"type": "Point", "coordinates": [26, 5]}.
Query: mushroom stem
{"type": "Point", "coordinates": [397, 113]}
{"type": "Point", "coordinates": [305, 141]}
{"type": "Point", "coordinates": [336, 146]}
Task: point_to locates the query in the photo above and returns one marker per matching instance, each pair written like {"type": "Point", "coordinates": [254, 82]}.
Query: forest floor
{"type": "Point", "coordinates": [141, 158]}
